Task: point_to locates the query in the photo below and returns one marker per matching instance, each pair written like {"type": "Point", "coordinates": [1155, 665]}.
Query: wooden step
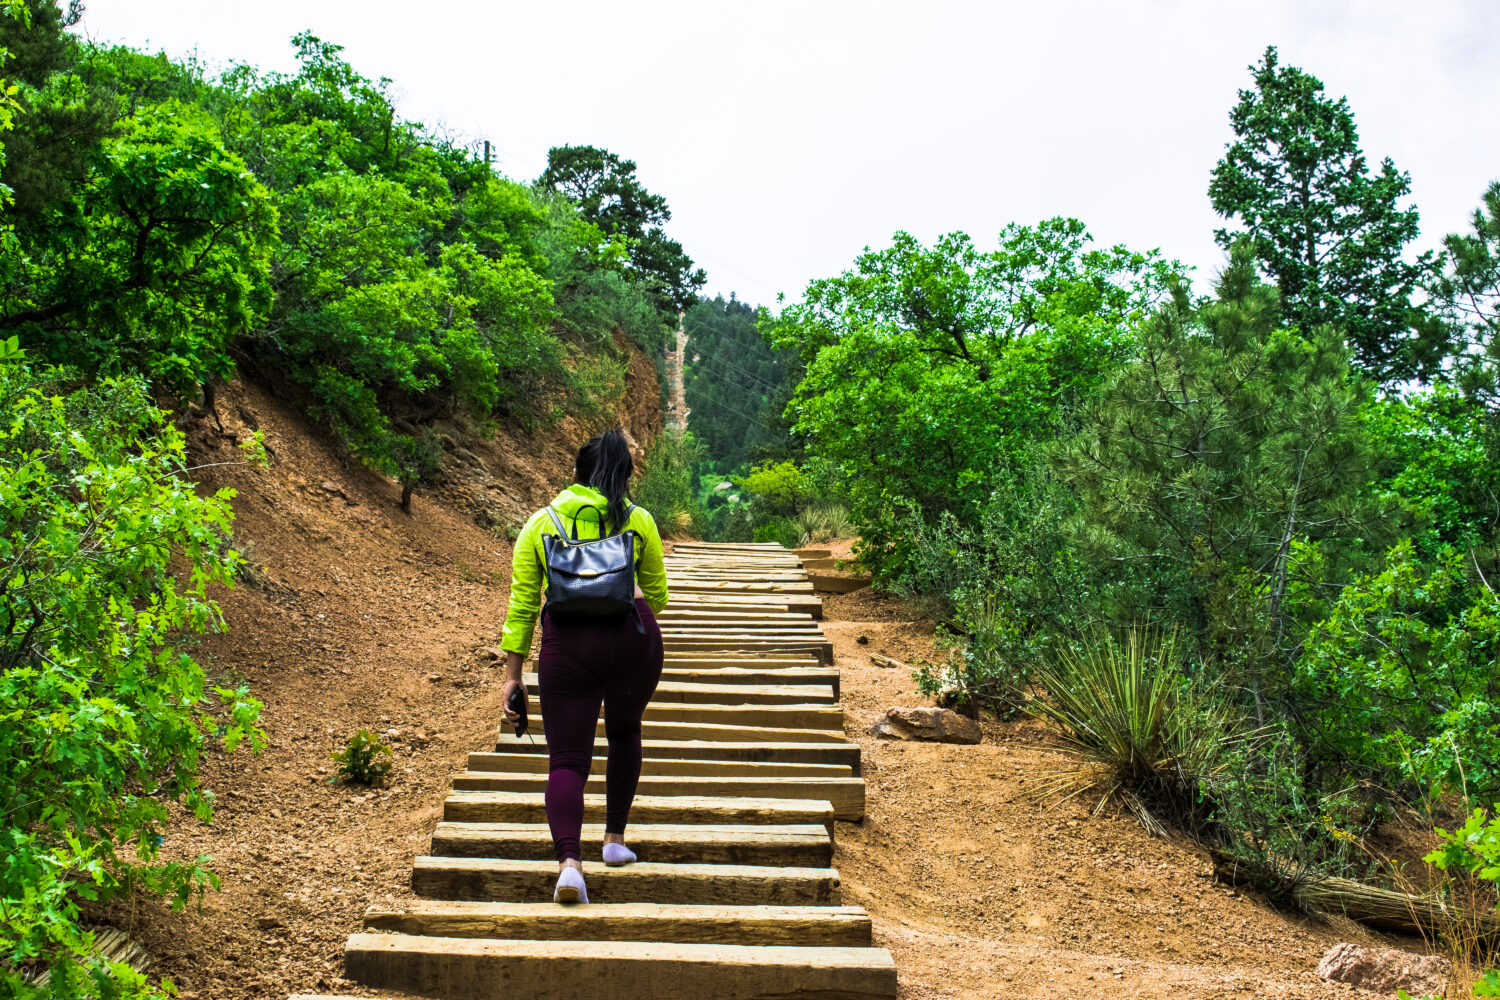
{"type": "Point", "coordinates": [812, 553]}
{"type": "Point", "coordinates": [808, 603]}
{"type": "Point", "coordinates": [794, 716]}
{"type": "Point", "coordinates": [534, 763]}
{"type": "Point", "coordinates": [717, 644]}
{"type": "Point", "coordinates": [751, 631]}
{"type": "Point", "coordinates": [801, 846]}
{"type": "Point", "coordinates": [822, 678]}
{"type": "Point", "coordinates": [712, 693]}
{"type": "Point", "coordinates": [738, 587]}
{"type": "Point", "coordinates": [830, 584]}
{"type": "Point", "coordinates": [512, 881]}
{"type": "Point", "coordinates": [846, 794]}
{"type": "Point", "coordinates": [660, 729]}
{"type": "Point", "coordinates": [526, 807]}
{"type": "Point", "coordinates": [837, 751]}
{"type": "Point", "coordinates": [501, 969]}
{"type": "Point", "coordinates": [805, 926]}
{"type": "Point", "coordinates": [687, 660]}
{"type": "Point", "coordinates": [698, 615]}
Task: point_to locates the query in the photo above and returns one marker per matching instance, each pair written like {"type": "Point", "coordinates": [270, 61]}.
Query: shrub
{"type": "Point", "coordinates": [364, 759]}
{"type": "Point", "coordinates": [1139, 731]}
{"type": "Point", "coordinates": [1400, 678]}
{"type": "Point", "coordinates": [780, 530]}
{"type": "Point", "coordinates": [104, 718]}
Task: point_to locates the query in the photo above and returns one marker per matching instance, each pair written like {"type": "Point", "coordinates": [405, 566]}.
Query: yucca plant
{"type": "Point", "coordinates": [1137, 730]}
{"type": "Point", "coordinates": [822, 523]}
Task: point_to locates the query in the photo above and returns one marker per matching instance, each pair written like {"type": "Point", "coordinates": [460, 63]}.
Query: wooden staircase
{"type": "Point", "coordinates": [746, 767]}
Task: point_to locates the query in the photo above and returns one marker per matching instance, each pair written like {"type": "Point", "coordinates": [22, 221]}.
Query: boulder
{"type": "Point", "coordinates": [1384, 970]}
{"type": "Point", "coordinates": [931, 725]}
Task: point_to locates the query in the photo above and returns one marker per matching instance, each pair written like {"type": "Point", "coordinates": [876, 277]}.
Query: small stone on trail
{"type": "Point", "coordinates": [1384, 970]}
{"type": "Point", "coordinates": [863, 640]}
{"type": "Point", "coordinates": [275, 813]}
{"type": "Point", "coordinates": [268, 923]}
{"type": "Point", "coordinates": [434, 678]}
{"type": "Point", "coordinates": [493, 653]}
{"type": "Point", "coordinates": [932, 725]}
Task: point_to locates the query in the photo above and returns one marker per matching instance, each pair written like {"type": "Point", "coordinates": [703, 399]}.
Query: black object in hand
{"type": "Point", "coordinates": [517, 703]}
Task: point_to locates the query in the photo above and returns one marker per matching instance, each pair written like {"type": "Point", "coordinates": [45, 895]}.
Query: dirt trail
{"type": "Point", "coordinates": [980, 891]}
{"type": "Point", "coordinates": [365, 617]}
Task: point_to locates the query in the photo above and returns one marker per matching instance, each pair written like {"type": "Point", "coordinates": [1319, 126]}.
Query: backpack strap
{"type": "Point", "coordinates": [561, 531]}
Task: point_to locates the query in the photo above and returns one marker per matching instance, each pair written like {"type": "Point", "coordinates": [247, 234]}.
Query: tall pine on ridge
{"type": "Point", "coordinates": [1327, 230]}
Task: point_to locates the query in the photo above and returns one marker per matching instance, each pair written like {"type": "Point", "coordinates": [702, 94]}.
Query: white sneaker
{"type": "Point", "coordinates": [570, 887]}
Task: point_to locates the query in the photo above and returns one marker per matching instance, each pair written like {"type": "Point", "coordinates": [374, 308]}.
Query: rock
{"type": "Point", "coordinates": [863, 640]}
{"type": "Point", "coordinates": [492, 653]}
{"type": "Point", "coordinates": [268, 923]}
{"type": "Point", "coordinates": [931, 725]}
{"type": "Point", "coordinates": [1384, 970]}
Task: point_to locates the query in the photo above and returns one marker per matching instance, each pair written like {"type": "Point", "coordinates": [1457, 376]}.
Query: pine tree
{"type": "Point", "coordinates": [1208, 461]}
{"type": "Point", "coordinates": [1327, 230]}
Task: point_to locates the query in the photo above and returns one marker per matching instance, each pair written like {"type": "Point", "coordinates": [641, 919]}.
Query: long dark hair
{"type": "Point", "coordinates": [604, 463]}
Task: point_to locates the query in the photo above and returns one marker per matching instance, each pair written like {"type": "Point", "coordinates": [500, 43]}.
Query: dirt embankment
{"type": "Point", "coordinates": [365, 617]}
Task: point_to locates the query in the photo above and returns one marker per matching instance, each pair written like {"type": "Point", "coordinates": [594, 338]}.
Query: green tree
{"type": "Point", "coordinates": [1213, 460]}
{"type": "Point", "coordinates": [1327, 230]}
{"type": "Point", "coordinates": [608, 194]}
{"type": "Point", "coordinates": [1468, 293]}
{"type": "Point", "coordinates": [736, 386]}
{"type": "Point", "coordinates": [168, 268]}
{"type": "Point", "coordinates": [930, 370]}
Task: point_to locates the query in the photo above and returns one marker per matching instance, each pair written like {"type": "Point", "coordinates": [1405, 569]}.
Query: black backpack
{"type": "Point", "coordinates": [589, 576]}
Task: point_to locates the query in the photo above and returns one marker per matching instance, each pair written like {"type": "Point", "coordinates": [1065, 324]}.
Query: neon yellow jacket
{"type": "Point", "coordinates": [529, 568]}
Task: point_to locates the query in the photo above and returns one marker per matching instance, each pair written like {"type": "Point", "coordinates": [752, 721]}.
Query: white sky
{"type": "Point", "coordinates": [788, 136]}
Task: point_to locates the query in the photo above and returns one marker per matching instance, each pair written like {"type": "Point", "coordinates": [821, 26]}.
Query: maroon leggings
{"type": "Point", "coordinates": [584, 662]}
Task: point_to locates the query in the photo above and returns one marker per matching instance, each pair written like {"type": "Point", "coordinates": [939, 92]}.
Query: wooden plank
{"type": "Point", "coordinates": [535, 763]}
{"type": "Point", "coordinates": [730, 546]}
{"type": "Point", "coordinates": [699, 692]}
{"type": "Point", "coordinates": [513, 881]}
{"type": "Point", "coordinates": [810, 603]}
{"type": "Point", "coordinates": [838, 751]}
{"type": "Point", "coordinates": [654, 729]}
{"type": "Point", "coordinates": [847, 794]}
{"type": "Point", "coordinates": [732, 615]}
{"type": "Point", "coordinates": [821, 678]}
{"type": "Point", "coordinates": [526, 807]}
{"type": "Point", "coordinates": [731, 658]}
{"type": "Point", "coordinates": [718, 644]}
{"type": "Point", "coordinates": [812, 553]}
{"type": "Point", "coordinates": [778, 571]}
{"type": "Point", "coordinates": [737, 587]}
{"type": "Point", "coordinates": [804, 716]}
{"type": "Point", "coordinates": [500, 969]}
{"type": "Point", "coordinates": [836, 584]}
{"type": "Point", "coordinates": [806, 846]}
{"type": "Point", "coordinates": [814, 927]}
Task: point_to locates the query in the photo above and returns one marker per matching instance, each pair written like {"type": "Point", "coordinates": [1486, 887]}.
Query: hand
{"type": "Point", "coordinates": [511, 685]}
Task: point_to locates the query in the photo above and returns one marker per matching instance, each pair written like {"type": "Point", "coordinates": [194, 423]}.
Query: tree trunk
{"type": "Point", "coordinates": [406, 496]}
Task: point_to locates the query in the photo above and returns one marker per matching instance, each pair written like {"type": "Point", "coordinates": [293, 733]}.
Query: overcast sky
{"type": "Point", "coordinates": [788, 136]}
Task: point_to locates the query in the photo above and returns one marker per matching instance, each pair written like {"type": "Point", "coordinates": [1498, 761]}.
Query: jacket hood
{"type": "Point", "coordinates": [573, 499]}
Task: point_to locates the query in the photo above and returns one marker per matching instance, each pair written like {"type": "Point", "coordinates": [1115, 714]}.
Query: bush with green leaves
{"type": "Point", "coordinates": [364, 760]}
{"type": "Point", "coordinates": [108, 555]}
{"type": "Point", "coordinates": [1400, 680]}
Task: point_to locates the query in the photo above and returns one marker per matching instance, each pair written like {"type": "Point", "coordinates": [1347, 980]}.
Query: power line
{"type": "Point", "coordinates": [771, 386]}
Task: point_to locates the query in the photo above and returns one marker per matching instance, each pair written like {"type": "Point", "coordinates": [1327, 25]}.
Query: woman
{"type": "Point", "coordinates": [615, 658]}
